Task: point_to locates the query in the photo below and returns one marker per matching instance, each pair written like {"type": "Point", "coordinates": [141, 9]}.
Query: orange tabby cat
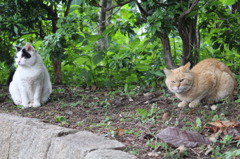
{"type": "Point", "coordinates": [210, 80]}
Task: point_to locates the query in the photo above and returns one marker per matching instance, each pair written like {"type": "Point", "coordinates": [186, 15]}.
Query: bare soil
{"type": "Point", "coordinates": [107, 113]}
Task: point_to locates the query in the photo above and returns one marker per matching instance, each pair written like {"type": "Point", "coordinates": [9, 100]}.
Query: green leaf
{"type": "Point", "coordinates": [107, 31]}
{"type": "Point", "coordinates": [82, 59]}
{"type": "Point", "coordinates": [76, 2]}
{"type": "Point", "coordinates": [94, 38]}
{"type": "Point", "coordinates": [134, 44]}
{"type": "Point", "coordinates": [98, 57]}
{"type": "Point", "coordinates": [142, 67]}
{"type": "Point", "coordinates": [85, 75]}
{"type": "Point", "coordinates": [15, 30]}
{"type": "Point", "coordinates": [229, 2]}
{"type": "Point", "coordinates": [142, 112]}
{"type": "Point", "coordinates": [60, 119]}
{"type": "Point", "coordinates": [158, 73]}
{"type": "Point", "coordinates": [132, 78]}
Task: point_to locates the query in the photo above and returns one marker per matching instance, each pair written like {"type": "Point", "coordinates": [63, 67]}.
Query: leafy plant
{"type": "Point", "coordinates": [232, 154]}
{"type": "Point", "coordinates": [197, 126]}
{"type": "Point", "coordinates": [227, 139]}
{"type": "Point", "coordinates": [148, 116]}
{"type": "Point", "coordinates": [61, 119]}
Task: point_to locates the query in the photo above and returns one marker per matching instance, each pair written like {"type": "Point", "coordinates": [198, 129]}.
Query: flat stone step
{"type": "Point", "coordinates": [27, 138]}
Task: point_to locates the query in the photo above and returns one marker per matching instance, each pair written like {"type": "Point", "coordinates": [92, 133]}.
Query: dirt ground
{"type": "Point", "coordinates": [133, 120]}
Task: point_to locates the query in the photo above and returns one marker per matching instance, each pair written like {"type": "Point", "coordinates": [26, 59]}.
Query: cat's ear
{"type": "Point", "coordinates": [29, 47]}
{"type": "Point", "coordinates": [186, 68]}
{"type": "Point", "coordinates": [18, 48]}
{"type": "Point", "coordinates": [167, 71]}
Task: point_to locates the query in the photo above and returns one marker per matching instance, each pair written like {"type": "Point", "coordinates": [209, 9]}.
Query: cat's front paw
{"type": "Point", "coordinates": [36, 104]}
{"type": "Point", "coordinates": [18, 102]}
{"type": "Point", "coordinates": [194, 104]}
{"type": "Point", "coordinates": [24, 106]}
{"type": "Point", "coordinates": [182, 104]}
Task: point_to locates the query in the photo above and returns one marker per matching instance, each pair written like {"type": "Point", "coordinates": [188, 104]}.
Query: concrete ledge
{"type": "Point", "coordinates": [26, 138]}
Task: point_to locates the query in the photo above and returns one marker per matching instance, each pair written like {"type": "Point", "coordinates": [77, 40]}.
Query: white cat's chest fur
{"type": "Point", "coordinates": [29, 74]}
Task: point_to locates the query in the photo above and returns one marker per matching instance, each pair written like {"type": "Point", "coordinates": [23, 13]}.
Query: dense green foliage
{"type": "Point", "coordinates": [134, 55]}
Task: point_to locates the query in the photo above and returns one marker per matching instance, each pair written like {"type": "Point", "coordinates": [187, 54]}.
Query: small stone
{"type": "Point", "coordinates": [130, 99]}
{"type": "Point", "coordinates": [213, 107]}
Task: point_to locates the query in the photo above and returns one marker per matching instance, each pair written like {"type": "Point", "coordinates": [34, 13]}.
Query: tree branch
{"type": "Point", "coordinates": [143, 12]}
{"type": "Point", "coordinates": [68, 8]}
{"type": "Point", "coordinates": [194, 4]}
{"type": "Point", "coordinates": [118, 5]}
{"type": "Point", "coordinates": [164, 4]}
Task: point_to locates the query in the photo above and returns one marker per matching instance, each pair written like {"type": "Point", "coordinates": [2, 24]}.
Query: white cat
{"type": "Point", "coordinates": [31, 85]}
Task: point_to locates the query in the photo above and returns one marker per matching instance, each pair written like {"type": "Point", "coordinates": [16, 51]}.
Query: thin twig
{"type": "Point", "coordinates": [118, 5]}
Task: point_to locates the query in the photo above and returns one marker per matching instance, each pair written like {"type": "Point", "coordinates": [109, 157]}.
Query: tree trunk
{"type": "Point", "coordinates": [103, 22]}
{"type": "Point", "coordinates": [187, 29]}
{"type": "Point", "coordinates": [166, 49]}
{"type": "Point", "coordinates": [57, 71]}
{"type": "Point", "coordinates": [188, 34]}
{"type": "Point", "coordinates": [55, 61]}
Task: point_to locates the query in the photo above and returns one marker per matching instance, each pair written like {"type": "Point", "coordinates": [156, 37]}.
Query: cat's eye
{"type": "Point", "coordinates": [173, 81]}
{"type": "Point", "coordinates": [181, 80]}
{"type": "Point", "coordinates": [15, 56]}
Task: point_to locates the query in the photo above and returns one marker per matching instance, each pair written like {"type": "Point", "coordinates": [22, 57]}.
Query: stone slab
{"type": "Point", "coordinates": [27, 138]}
{"type": "Point", "coordinates": [113, 154]}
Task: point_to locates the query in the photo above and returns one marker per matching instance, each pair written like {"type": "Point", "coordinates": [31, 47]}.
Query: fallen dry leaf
{"type": "Point", "coordinates": [224, 124]}
{"type": "Point", "coordinates": [217, 124]}
{"type": "Point", "coordinates": [212, 129]}
{"type": "Point", "coordinates": [119, 131]}
{"type": "Point", "coordinates": [176, 137]}
{"type": "Point", "coordinates": [165, 116]}
{"type": "Point", "coordinates": [226, 127]}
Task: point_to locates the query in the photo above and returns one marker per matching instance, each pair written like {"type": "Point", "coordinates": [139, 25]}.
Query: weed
{"type": "Point", "coordinates": [61, 119]}
{"type": "Point", "coordinates": [227, 139]}
{"type": "Point", "coordinates": [232, 154]}
{"type": "Point", "coordinates": [58, 90]}
{"type": "Point", "coordinates": [238, 100]}
{"type": "Point", "coordinates": [19, 106]}
{"type": "Point", "coordinates": [216, 152]}
{"type": "Point", "coordinates": [107, 119]}
{"type": "Point", "coordinates": [79, 123]}
{"type": "Point", "coordinates": [105, 103]}
{"type": "Point", "coordinates": [155, 145]}
{"type": "Point", "coordinates": [133, 151]}
{"type": "Point", "coordinates": [105, 123]}
{"type": "Point", "coordinates": [197, 126]}
{"type": "Point", "coordinates": [72, 104]}
{"type": "Point", "coordinates": [148, 116]}
{"type": "Point", "coordinates": [219, 117]}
